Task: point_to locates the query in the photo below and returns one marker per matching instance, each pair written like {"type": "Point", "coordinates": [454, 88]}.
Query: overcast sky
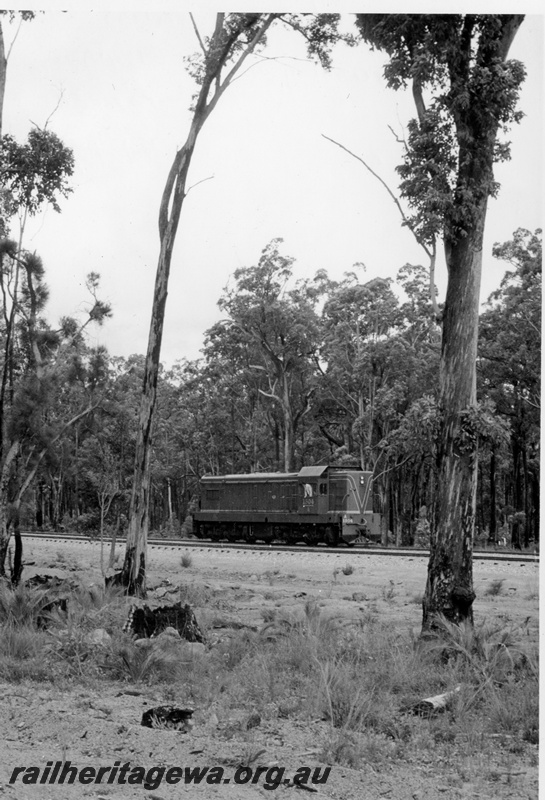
{"type": "Point", "coordinates": [124, 98]}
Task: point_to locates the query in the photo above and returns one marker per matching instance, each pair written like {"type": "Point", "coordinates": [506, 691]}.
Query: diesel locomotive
{"type": "Point", "coordinates": [329, 505]}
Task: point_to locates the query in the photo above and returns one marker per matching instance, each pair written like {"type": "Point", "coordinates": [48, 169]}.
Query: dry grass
{"type": "Point", "coordinates": [360, 677]}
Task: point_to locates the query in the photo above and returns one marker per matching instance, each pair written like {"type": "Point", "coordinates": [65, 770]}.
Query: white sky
{"type": "Point", "coordinates": [124, 111]}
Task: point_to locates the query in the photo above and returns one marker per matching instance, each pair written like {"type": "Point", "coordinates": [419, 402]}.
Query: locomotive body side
{"type": "Point", "coordinates": [316, 504]}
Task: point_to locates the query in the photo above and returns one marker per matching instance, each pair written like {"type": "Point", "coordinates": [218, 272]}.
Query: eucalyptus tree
{"type": "Point", "coordinates": [465, 91]}
{"type": "Point", "coordinates": [359, 320]}
{"type": "Point", "coordinates": [243, 427]}
{"type": "Point", "coordinates": [380, 357]}
{"type": "Point", "coordinates": [222, 56]}
{"type": "Point", "coordinates": [280, 327]}
{"type": "Point", "coordinates": [34, 356]}
{"type": "Point", "coordinates": [38, 368]}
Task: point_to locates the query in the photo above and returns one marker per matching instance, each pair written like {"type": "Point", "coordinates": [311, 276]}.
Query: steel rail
{"type": "Point", "coordinates": [403, 552]}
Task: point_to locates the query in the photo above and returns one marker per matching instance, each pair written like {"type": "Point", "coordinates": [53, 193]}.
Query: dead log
{"type": "Point", "coordinates": [168, 717]}
{"type": "Point", "coordinates": [434, 705]}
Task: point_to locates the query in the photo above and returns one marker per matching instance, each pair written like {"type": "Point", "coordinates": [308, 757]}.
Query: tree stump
{"type": "Point", "coordinates": [145, 622]}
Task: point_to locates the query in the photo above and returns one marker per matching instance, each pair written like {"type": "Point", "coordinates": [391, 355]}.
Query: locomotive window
{"type": "Point", "coordinates": [212, 494]}
{"type": "Point", "coordinates": [323, 488]}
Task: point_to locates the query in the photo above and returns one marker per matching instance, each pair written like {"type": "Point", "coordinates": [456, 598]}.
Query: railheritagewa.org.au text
{"type": "Point", "coordinates": [64, 772]}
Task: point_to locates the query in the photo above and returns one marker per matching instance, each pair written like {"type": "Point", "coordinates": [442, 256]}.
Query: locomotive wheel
{"type": "Point", "coordinates": [248, 534]}
{"type": "Point", "coordinates": [292, 536]}
{"type": "Point", "coordinates": [311, 538]}
{"type": "Point", "coordinates": [264, 533]}
{"type": "Point", "coordinates": [331, 537]}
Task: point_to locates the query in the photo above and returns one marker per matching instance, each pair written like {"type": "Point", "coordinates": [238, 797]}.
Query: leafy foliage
{"type": "Point", "coordinates": [447, 167]}
{"type": "Point", "coordinates": [36, 172]}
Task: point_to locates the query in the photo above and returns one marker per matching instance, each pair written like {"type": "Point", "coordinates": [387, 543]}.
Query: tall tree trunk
{"type": "Point", "coordinates": [492, 533]}
{"type": "Point", "coordinates": [527, 504]}
{"type": "Point", "coordinates": [134, 567]}
{"type": "Point", "coordinates": [4, 511]}
{"type": "Point", "coordinates": [518, 502]}
{"type": "Point", "coordinates": [535, 494]}
{"type": "Point", "coordinates": [18, 552]}
{"type": "Point", "coordinates": [288, 425]}
{"type": "Point", "coordinates": [277, 446]}
{"type": "Point", "coordinates": [384, 505]}
{"type": "Point", "coordinates": [449, 587]}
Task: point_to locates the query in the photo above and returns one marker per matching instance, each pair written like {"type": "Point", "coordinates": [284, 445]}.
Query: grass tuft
{"type": "Point", "coordinates": [495, 587]}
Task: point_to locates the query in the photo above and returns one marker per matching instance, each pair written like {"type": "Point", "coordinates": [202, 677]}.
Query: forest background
{"type": "Point", "coordinates": [339, 366]}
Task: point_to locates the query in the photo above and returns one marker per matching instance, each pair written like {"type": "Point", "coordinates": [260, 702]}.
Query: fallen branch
{"type": "Point", "coordinates": [432, 705]}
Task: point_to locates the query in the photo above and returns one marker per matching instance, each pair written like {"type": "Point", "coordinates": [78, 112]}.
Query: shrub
{"type": "Point", "coordinates": [490, 653]}
{"type": "Point", "coordinates": [23, 605]}
{"type": "Point", "coordinates": [151, 662]}
{"type": "Point", "coordinates": [23, 653]}
{"type": "Point", "coordinates": [89, 524]}
{"type": "Point", "coordinates": [494, 588]}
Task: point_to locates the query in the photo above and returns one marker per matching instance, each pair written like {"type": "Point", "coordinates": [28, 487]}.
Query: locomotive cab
{"type": "Point", "coordinates": [313, 490]}
{"type": "Point", "coordinates": [351, 499]}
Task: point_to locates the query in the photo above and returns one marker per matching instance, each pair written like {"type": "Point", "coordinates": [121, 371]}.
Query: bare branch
{"type": "Point", "coordinates": [55, 109]}
{"type": "Point", "coordinates": [14, 38]}
{"type": "Point", "coordinates": [396, 137]}
{"type": "Point", "coordinates": [210, 178]}
{"type": "Point", "coordinates": [260, 58]}
{"type": "Point", "coordinates": [431, 253]}
{"type": "Point", "coordinates": [393, 467]}
{"type": "Point", "coordinates": [197, 34]}
{"type": "Point", "coordinates": [383, 182]}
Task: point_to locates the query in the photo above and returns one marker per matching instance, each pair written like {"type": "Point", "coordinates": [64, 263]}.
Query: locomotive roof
{"type": "Point", "coordinates": [252, 476]}
{"type": "Point", "coordinates": [305, 472]}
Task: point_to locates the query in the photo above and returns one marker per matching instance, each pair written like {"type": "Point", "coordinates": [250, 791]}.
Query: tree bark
{"type": "Point", "coordinates": [18, 552]}
{"type": "Point", "coordinates": [4, 521]}
{"type": "Point", "coordinates": [518, 493]}
{"type": "Point", "coordinates": [493, 530]}
{"type": "Point", "coordinates": [449, 587]}
{"type": "Point", "coordinates": [288, 424]}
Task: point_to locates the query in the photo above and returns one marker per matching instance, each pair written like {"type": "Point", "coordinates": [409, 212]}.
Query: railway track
{"type": "Point", "coordinates": [371, 550]}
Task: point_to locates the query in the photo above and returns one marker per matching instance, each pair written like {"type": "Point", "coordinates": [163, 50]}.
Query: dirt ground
{"type": "Point", "coordinates": [99, 725]}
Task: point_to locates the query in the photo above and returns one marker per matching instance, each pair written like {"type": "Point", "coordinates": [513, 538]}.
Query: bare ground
{"type": "Point", "coordinates": [99, 723]}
